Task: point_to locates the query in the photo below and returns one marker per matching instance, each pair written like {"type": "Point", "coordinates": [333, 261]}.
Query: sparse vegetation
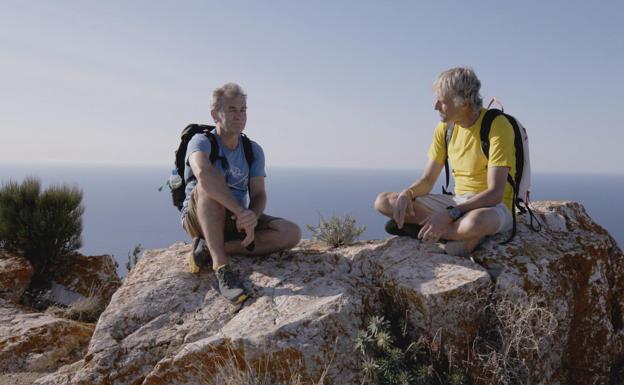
{"type": "Point", "coordinates": [337, 231]}
{"type": "Point", "coordinates": [133, 257]}
{"type": "Point", "coordinates": [516, 334]}
{"type": "Point", "coordinates": [388, 359]}
{"type": "Point", "coordinates": [43, 226]}
{"type": "Point", "coordinates": [235, 370]}
{"type": "Point", "coordinates": [87, 309]}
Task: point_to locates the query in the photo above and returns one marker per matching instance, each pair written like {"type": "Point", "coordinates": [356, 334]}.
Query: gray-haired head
{"type": "Point", "coordinates": [229, 90]}
{"type": "Point", "coordinates": [461, 84]}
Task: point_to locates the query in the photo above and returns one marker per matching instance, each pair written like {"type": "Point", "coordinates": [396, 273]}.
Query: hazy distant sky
{"type": "Point", "coordinates": [330, 83]}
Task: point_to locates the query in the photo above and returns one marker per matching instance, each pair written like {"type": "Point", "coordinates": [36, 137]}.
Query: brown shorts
{"type": "Point", "coordinates": [192, 227]}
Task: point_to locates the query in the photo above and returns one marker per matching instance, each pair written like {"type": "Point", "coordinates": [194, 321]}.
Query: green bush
{"type": "Point", "coordinates": [337, 231]}
{"type": "Point", "coordinates": [388, 359]}
{"type": "Point", "coordinates": [43, 226]}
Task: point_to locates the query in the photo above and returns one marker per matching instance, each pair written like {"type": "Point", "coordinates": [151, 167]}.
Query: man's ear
{"type": "Point", "coordinates": [215, 115]}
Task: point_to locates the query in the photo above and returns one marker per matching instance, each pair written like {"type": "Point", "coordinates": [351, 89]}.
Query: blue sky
{"type": "Point", "coordinates": [330, 83]}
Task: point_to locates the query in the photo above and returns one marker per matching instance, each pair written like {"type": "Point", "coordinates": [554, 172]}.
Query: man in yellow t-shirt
{"type": "Point", "coordinates": [483, 199]}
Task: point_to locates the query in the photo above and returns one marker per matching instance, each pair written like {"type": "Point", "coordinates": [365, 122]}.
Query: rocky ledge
{"type": "Point", "coordinates": [167, 326]}
{"type": "Point", "coordinates": [33, 341]}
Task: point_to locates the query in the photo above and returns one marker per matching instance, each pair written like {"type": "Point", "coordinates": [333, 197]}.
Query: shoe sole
{"type": "Point", "coordinates": [200, 257]}
{"type": "Point", "coordinates": [408, 230]}
{"type": "Point", "coordinates": [241, 298]}
{"type": "Point", "coordinates": [193, 268]}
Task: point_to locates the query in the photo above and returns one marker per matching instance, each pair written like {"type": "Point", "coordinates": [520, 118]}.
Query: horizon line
{"type": "Point", "coordinates": [167, 167]}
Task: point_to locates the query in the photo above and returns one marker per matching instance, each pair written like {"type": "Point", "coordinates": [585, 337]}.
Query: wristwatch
{"type": "Point", "coordinates": [454, 212]}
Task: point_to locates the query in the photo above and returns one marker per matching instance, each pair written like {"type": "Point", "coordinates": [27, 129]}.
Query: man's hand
{"type": "Point", "coordinates": [246, 221]}
{"type": "Point", "coordinates": [434, 226]}
{"type": "Point", "coordinates": [404, 206]}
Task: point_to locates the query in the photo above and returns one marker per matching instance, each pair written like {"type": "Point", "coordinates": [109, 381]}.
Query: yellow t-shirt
{"type": "Point", "coordinates": [467, 160]}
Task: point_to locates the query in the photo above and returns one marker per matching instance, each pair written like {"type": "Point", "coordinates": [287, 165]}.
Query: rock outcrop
{"type": "Point", "coordinates": [575, 270]}
{"type": "Point", "coordinates": [35, 341]}
{"type": "Point", "coordinates": [15, 275]}
{"type": "Point", "coordinates": [80, 277]}
{"type": "Point", "coordinates": [167, 326]}
{"type": "Point", "coordinates": [32, 341]}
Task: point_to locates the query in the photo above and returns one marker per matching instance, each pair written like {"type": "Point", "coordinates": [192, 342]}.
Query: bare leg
{"type": "Point", "coordinates": [280, 235]}
{"type": "Point", "coordinates": [386, 201]}
{"type": "Point", "coordinates": [470, 229]}
{"type": "Point", "coordinates": [474, 224]}
{"type": "Point", "coordinates": [211, 217]}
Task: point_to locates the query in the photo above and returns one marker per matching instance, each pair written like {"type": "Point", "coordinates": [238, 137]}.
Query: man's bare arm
{"type": "Point", "coordinates": [404, 204]}
{"type": "Point", "coordinates": [425, 184]}
{"type": "Point", "coordinates": [212, 182]}
{"type": "Point", "coordinates": [257, 195]}
{"type": "Point", "coordinates": [496, 180]}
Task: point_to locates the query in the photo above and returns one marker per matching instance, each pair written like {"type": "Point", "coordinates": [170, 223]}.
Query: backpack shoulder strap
{"type": "Point", "coordinates": [214, 147]}
{"type": "Point", "coordinates": [247, 147]}
{"type": "Point", "coordinates": [490, 115]}
{"type": "Point", "coordinates": [447, 139]}
{"type": "Point", "coordinates": [486, 126]}
{"type": "Point", "coordinates": [519, 147]}
{"type": "Point", "coordinates": [249, 156]}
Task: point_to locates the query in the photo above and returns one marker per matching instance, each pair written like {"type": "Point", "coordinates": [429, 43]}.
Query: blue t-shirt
{"type": "Point", "coordinates": [235, 169]}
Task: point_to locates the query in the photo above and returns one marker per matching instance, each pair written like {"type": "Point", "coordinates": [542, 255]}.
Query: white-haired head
{"type": "Point", "coordinates": [229, 91]}
{"type": "Point", "coordinates": [461, 84]}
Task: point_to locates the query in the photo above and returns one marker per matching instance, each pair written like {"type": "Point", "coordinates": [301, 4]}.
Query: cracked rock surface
{"type": "Point", "coordinates": [167, 326]}
{"type": "Point", "coordinates": [32, 341]}
{"type": "Point", "coordinates": [15, 275]}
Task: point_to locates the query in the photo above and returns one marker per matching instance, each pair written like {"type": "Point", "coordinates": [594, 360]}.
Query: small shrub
{"type": "Point", "coordinates": [337, 231]}
{"type": "Point", "coordinates": [133, 257]}
{"type": "Point", "coordinates": [387, 360]}
{"type": "Point", "coordinates": [43, 226]}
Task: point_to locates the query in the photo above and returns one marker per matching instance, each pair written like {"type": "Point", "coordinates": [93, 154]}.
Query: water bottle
{"type": "Point", "coordinates": [175, 180]}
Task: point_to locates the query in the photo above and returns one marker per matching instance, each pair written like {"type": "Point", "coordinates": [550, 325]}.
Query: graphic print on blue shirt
{"type": "Point", "coordinates": [233, 167]}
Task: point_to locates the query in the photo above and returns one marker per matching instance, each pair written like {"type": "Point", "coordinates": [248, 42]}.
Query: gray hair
{"type": "Point", "coordinates": [462, 84]}
{"type": "Point", "coordinates": [229, 90]}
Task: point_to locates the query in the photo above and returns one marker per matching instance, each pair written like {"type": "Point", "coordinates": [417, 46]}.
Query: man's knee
{"type": "Point", "coordinates": [290, 233]}
{"type": "Point", "coordinates": [480, 222]}
{"type": "Point", "coordinates": [206, 203]}
{"type": "Point", "coordinates": [382, 203]}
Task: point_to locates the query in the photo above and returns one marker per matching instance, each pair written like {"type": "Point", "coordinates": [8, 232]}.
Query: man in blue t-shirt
{"type": "Point", "coordinates": [216, 212]}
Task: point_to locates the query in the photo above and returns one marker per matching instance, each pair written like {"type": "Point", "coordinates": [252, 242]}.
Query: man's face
{"type": "Point", "coordinates": [232, 116]}
{"type": "Point", "coordinates": [445, 105]}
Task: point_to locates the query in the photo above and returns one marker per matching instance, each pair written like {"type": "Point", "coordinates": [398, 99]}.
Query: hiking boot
{"type": "Point", "coordinates": [199, 257]}
{"type": "Point", "coordinates": [408, 230]}
{"type": "Point", "coordinates": [230, 284]}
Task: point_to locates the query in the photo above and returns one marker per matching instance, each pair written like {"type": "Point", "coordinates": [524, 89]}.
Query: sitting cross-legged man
{"type": "Point", "coordinates": [483, 199]}
{"type": "Point", "coordinates": [225, 200]}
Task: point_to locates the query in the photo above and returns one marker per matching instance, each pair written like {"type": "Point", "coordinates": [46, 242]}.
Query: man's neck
{"type": "Point", "coordinates": [469, 118]}
{"type": "Point", "coordinates": [229, 140]}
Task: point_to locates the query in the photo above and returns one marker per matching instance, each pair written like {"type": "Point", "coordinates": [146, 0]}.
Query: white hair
{"type": "Point", "coordinates": [229, 90]}
{"type": "Point", "coordinates": [460, 83]}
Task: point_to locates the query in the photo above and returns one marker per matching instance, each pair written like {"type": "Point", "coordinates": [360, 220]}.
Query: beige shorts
{"type": "Point", "coordinates": [191, 225]}
{"type": "Point", "coordinates": [439, 202]}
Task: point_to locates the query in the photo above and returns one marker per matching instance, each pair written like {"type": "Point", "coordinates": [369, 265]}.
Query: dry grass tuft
{"type": "Point", "coordinates": [87, 309]}
{"type": "Point", "coordinates": [236, 370]}
{"type": "Point", "coordinates": [518, 334]}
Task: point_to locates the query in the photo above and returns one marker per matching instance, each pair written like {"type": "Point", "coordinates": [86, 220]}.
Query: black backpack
{"type": "Point", "coordinates": [178, 194]}
{"type": "Point", "coordinates": [521, 203]}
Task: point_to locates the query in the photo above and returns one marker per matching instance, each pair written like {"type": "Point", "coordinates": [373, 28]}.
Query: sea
{"type": "Point", "coordinates": [124, 209]}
